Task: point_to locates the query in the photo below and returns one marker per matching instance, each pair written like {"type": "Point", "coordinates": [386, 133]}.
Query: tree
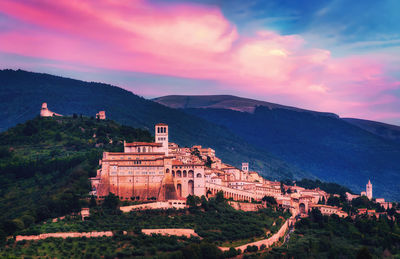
{"type": "Point", "coordinates": [192, 201]}
{"type": "Point", "coordinates": [364, 253]}
{"type": "Point", "coordinates": [231, 253]}
{"type": "Point", "coordinates": [219, 197]}
{"type": "Point", "coordinates": [283, 188]}
{"type": "Point", "coordinates": [92, 202]}
{"type": "Point", "coordinates": [204, 203]}
{"type": "Point", "coordinates": [111, 202]}
{"type": "Point", "coordinates": [269, 200]}
{"type": "Point", "coordinates": [208, 162]}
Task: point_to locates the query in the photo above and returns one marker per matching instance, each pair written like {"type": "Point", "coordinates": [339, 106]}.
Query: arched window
{"type": "Point", "coordinates": [191, 187]}
{"type": "Point", "coordinates": [179, 189]}
{"type": "Point", "coordinates": [198, 175]}
{"type": "Point", "coordinates": [178, 173]}
{"type": "Point", "coordinates": [191, 174]}
{"type": "Point", "coordinates": [167, 171]}
{"type": "Point", "coordinates": [184, 173]}
{"type": "Point", "coordinates": [173, 173]}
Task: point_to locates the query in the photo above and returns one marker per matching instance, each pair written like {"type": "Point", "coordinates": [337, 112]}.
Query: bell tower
{"type": "Point", "coordinates": [369, 190]}
{"type": "Point", "coordinates": [162, 136]}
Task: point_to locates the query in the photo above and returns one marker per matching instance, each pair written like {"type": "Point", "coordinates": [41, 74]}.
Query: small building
{"type": "Point", "coordinates": [85, 213]}
{"type": "Point", "coordinates": [329, 210]}
{"type": "Point", "coordinates": [45, 112]}
{"type": "Point", "coordinates": [101, 115]}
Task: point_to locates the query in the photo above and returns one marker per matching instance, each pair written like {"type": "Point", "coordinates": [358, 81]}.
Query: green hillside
{"type": "Point", "coordinates": [24, 92]}
{"type": "Point", "coordinates": [45, 164]}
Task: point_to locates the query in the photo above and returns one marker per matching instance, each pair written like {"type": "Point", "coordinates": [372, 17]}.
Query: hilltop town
{"type": "Point", "coordinates": [120, 185]}
{"type": "Point", "coordinates": [163, 171]}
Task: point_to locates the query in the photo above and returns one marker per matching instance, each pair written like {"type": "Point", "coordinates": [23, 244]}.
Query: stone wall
{"type": "Point", "coordinates": [65, 235]}
{"type": "Point", "coordinates": [171, 232]}
{"type": "Point", "coordinates": [178, 204]}
{"type": "Point", "coordinates": [267, 242]}
{"type": "Point", "coordinates": [245, 206]}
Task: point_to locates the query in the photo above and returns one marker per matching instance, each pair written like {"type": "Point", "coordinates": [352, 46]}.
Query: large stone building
{"type": "Point", "coordinates": [164, 171]}
{"type": "Point", "coordinates": [147, 171]}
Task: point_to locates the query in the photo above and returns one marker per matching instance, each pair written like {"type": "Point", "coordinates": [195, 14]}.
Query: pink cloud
{"type": "Point", "coordinates": [195, 41]}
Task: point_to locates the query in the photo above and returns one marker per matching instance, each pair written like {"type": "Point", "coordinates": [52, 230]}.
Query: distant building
{"type": "Point", "coordinates": [45, 112]}
{"type": "Point", "coordinates": [383, 203]}
{"type": "Point", "coordinates": [329, 210]}
{"type": "Point", "coordinates": [101, 115]}
{"type": "Point", "coordinates": [85, 213]}
{"type": "Point", "coordinates": [369, 190]}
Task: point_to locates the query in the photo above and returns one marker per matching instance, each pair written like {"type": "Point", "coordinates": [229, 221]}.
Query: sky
{"type": "Point", "coordinates": [334, 56]}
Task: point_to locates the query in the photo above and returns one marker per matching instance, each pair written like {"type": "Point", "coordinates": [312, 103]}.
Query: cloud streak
{"type": "Point", "coordinates": [198, 42]}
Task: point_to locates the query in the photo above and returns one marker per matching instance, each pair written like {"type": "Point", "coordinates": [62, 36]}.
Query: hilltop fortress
{"type": "Point", "coordinates": [45, 112]}
{"type": "Point", "coordinates": [163, 171]}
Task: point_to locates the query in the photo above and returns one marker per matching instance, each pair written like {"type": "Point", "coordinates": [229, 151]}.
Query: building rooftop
{"type": "Point", "coordinates": [135, 144]}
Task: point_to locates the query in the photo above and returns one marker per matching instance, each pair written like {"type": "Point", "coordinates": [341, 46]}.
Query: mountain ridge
{"type": "Point", "coordinates": [231, 102]}
{"type": "Point", "coordinates": [24, 92]}
{"type": "Point", "coordinates": [279, 143]}
{"type": "Point", "coordinates": [329, 147]}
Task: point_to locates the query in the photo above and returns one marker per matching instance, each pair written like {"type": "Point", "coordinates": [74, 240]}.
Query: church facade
{"type": "Point", "coordinates": [148, 171]}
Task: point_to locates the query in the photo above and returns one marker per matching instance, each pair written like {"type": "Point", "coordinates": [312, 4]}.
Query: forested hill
{"type": "Point", "coordinates": [329, 147]}
{"type": "Point", "coordinates": [22, 94]}
{"type": "Point", "coordinates": [45, 164]}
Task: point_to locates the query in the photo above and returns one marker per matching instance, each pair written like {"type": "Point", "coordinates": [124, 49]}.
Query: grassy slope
{"type": "Point", "coordinates": [45, 164]}
{"type": "Point", "coordinates": [215, 221]}
{"type": "Point", "coordinates": [332, 237]}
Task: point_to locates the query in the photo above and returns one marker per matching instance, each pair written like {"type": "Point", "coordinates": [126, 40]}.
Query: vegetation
{"type": "Point", "coordinates": [120, 246]}
{"type": "Point", "coordinates": [331, 188]}
{"type": "Point", "coordinates": [45, 165]}
{"type": "Point", "coordinates": [213, 219]}
{"type": "Point", "coordinates": [333, 237]}
{"type": "Point", "coordinates": [326, 147]}
{"type": "Point", "coordinates": [23, 93]}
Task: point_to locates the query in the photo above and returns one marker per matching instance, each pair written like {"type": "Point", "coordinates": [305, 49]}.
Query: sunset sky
{"type": "Point", "coordinates": [337, 56]}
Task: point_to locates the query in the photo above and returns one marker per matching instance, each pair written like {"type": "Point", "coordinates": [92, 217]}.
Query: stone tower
{"type": "Point", "coordinates": [162, 136]}
{"type": "Point", "coordinates": [45, 112]}
{"type": "Point", "coordinates": [369, 190]}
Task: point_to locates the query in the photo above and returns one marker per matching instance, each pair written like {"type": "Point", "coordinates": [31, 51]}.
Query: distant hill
{"type": "Point", "coordinates": [224, 102]}
{"type": "Point", "coordinates": [330, 148]}
{"type": "Point", "coordinates": [22, 94]}
{"type": "Point", "coordinates": [384, 130]}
